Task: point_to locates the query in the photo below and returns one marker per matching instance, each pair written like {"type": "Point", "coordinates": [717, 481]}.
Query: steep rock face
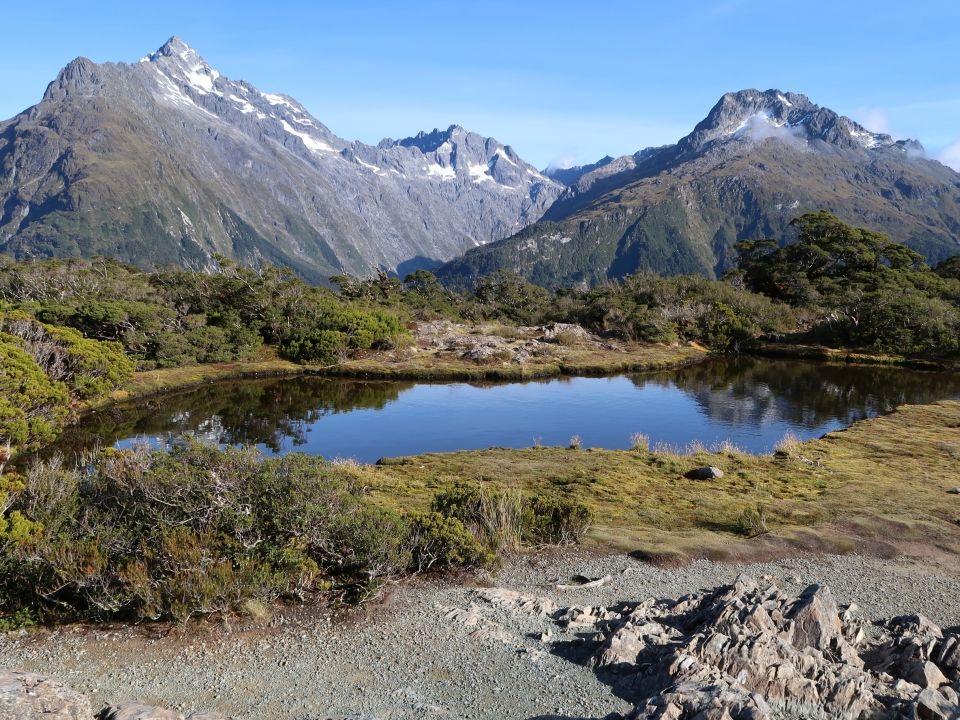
{"type": "Point", "coordinates": [166, 161]}
{"type": "Point", "coordinates": [756, 161]}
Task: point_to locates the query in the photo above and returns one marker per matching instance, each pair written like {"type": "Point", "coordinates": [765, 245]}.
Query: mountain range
{"type": "Point", "coordinates": [758, 160]}
{"type": "Point", "coordinates": [166, 161]}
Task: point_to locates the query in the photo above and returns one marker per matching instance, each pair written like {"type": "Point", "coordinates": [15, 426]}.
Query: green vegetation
{"type": "Point", "coordinates": [178, 318]}
{"type": "Point", "coordinates": [149, 535]}
{"type": "Point", "coordinates": [74, 331]}
{"type": "Point", "coordinates": [641, 308]}
{"type": "Point", "coordinates": [859, 289]}
{"type": "Point", "coordinates": [44, 371]}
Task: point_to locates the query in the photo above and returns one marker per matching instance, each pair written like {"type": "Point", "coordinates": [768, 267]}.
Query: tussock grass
{"type": "Point", "coordinates": [788, 445]}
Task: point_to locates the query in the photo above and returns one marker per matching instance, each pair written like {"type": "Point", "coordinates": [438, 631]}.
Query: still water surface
{"type": "Point", "coordinates": [749, 401]}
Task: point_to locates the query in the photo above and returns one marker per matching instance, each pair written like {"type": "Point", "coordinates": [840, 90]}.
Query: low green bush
{"type": "Point", "coordinates": [442, 541]}
{"type": "Point", "coordinates": [555, 521]}
{"type": "Point", "coordinates": [141, 534]}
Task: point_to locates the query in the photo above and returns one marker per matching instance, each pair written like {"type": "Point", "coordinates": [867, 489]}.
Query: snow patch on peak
{"type": "Point", "coordinates": [480, 172]}
{"type": "Point", "coordinates": [201, 76]}
{"type": "Point", "coordinates": [278, 100]}
{"type": "Point", "coordinates": [439, 171]}
{"type": "Point", "coordinates": [244, 107]}
{"type": "Point", "coordinates": [503, 153]}
{"type": "Point", "coordinates": [312, 143]}
{"type": "Point", "coordinates": [368, 166]}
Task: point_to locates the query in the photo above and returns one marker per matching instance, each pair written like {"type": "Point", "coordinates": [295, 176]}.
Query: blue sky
{"type": "Point", "coordinates": [568, 81]}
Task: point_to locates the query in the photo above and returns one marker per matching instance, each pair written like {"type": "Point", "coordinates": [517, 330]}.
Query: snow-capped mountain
{"type": "Point", "coordinates": [169, 161]}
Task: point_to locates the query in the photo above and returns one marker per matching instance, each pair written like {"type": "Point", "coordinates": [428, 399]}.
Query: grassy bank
{"type": "Point", "coordinates": [879, 482]}
{"type": "Point", "coordinates": [821, 353]}
{"type": "Point", "coordinates": [155, 382]}
{"type": "Point", "coordinates": [577, 360]}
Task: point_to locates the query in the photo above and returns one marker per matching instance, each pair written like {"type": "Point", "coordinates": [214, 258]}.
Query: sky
{"type": "Point", "coordinates": [562, 82]}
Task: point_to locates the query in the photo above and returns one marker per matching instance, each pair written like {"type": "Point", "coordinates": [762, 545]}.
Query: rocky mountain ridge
{"type": "Point", "coordinates": [754, 163]}
{"type": "Point", "coordinates": [167, 161]}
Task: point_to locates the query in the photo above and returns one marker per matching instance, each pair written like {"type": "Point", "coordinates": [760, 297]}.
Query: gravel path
{"type": "Point", "coordinates": [431, 650]}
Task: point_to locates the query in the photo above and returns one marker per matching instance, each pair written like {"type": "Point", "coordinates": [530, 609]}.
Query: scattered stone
{"type": "Point", "coordinates": [925, 674]}
{"type": "Point", "coordinates": [932, 705]}
{"type": "Point", "coordinates": [954, 491]}
{"type": "Point", "coordinates": [586, 584]}
{"type": "Point", "coordinates": [136, 711]}
{"type": "Point", "coordinates": [512, 600]}
{"type": "Point", "coordinates": [707, 472]}
{"type": "Point", "coordinates": [555, 332]}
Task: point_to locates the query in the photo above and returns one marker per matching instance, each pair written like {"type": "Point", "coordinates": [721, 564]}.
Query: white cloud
{"type": "Point", "coordinates": [950, 155]}
{"type": "Point", "coordinates": [874, 119]}
{"type": "Point", "coordinates": [563, 162]}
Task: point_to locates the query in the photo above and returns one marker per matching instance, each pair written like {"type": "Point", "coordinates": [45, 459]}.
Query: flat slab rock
{"type": "Point", "coordinates": [28, 696]}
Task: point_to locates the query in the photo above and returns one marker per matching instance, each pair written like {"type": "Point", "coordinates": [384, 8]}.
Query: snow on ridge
{"type": "Point", "coordinates": [278, 100]}
{"type": "Point", "coordinates": [201, 77]}
{"type": "Point", "coordinates": [245, 107]}
{"type": "Point", "coordinates": [864, 137]}
{"type": "Point", "coordinates": [172, 93]}
{"type": "Point", "coordinates": [503, 153]}
{"type": "Point", "coordinates": [479, 172]}
{"type": "Point", "coordinates": [444, 173]}
{"type": "Point", "coordinates": [784, 100]}
{"type": "Point", "coordinates": [367, 165]}
{"type": "Point", "coordinates": [312, 143]}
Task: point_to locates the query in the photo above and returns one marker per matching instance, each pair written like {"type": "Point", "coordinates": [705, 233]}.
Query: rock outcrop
{"type": "Point", "coordinates": [750, 651]}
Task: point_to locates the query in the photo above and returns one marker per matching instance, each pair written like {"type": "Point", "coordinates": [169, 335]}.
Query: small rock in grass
{"type": "Point", "coordinates": [707, 472]}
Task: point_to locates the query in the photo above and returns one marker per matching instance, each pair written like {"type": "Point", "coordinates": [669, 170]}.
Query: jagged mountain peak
{"type": "Point", "coordinates": [458, 153]}
{"type": "Point", "coordinates": [176, 50]}
{"type": "Point", "coordinates": [169, 161]}
{"type": "Point", "coordinates": [176, 46]}
{"type": "Point", "coordinates": [755, 115]}
{"type": "Point", "coordinates": [80, 75]}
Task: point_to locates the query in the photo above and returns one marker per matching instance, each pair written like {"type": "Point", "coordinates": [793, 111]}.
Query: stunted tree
{"type": "Point", "coordinates": [867, 289]}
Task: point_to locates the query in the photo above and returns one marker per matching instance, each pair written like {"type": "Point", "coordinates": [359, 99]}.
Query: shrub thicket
{"type": "Point", "coordinates": [147, 535]}
{"type": "Point", "coordinates": [43, 371]}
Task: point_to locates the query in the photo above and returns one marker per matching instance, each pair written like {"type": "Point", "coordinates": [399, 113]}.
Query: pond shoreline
{"type": "Point", "coordinates": [152, 383]}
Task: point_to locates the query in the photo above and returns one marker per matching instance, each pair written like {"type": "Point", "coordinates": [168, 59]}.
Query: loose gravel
{"type": "Point", "coordinates": [411, 656]}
